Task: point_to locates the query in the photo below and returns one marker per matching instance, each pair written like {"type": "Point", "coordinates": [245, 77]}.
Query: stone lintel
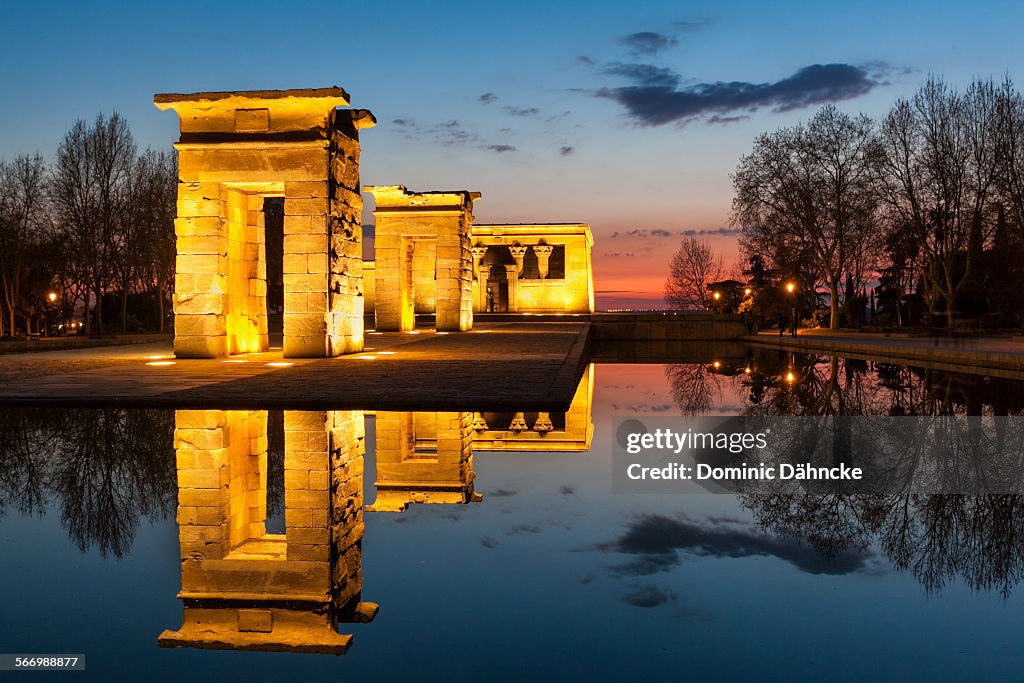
{"type": "Point", "coordinates": [530, 231]}
{"type": "Point", "coordinates": [254, 112]}
{"type": "Point", "coordinates": [391, 198]}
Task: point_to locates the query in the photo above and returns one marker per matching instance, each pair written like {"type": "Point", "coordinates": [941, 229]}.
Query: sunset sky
{"type": "Point", "coordinates": [628, 116]}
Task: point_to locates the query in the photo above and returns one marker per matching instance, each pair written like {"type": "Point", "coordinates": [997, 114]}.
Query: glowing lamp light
{"type": "Point", "coordinates": [747, 371]}
{"type": "Point", "coordinates": [790, 377]}
{"type": "Point", "coordinates": [790, 287]}
{"type": "Point", "coordinates": [716, 365]}
{"type": "Point", "coordinates": [717, 295]}
{"type": "Point", "coordinates": [52, 296]}
{"type": "Point", "coordinates": [747, 291]}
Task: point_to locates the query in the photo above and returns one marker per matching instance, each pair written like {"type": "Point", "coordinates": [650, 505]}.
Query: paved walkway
{"type": "Point", "coordinates": [496, 367]}
{"type": "Point", "coordinates": [951, 353]}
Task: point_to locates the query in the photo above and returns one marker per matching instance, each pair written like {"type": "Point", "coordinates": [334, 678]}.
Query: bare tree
{"type": "Point", "coordinates": [808, 191]}
{"type": "Point", "coordinates": [694, 266]}
{"type": "Point", "coordinates": [91, 184]}
{"type": "Point", "coordinates": [938, 160]}
{"type": "Point", "coordinates": [23, 224]}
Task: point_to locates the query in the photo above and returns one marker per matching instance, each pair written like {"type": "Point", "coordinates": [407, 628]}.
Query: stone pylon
{"type": "Point", "coordinates": [422, 253]}
{"type": "Point", "coordinates": [235, 149]}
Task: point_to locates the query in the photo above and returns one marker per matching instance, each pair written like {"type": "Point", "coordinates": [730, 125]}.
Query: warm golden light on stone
{"type": "Point", "coordinates": [422, 257]}
{"type": "Point", "coordinates": [245, 589]}
{"type": "Point", "coordinates": [512, 270]}
{"type": "Point", "coordinates": [572, 430]}
{"type": "Point", "coordinates": [423, 458]}
{"type": "Point", "coordinates": [236, 148]}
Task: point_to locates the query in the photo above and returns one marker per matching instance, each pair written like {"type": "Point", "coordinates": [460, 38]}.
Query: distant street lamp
{"type": "Point", "coordinates": [717, 296]}
{"type": "Point", "coordinates": [52, 298]}
{"type": "Point", "coordinates": [790, 287]}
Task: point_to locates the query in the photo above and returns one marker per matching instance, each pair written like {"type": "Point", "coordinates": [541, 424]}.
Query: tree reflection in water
{"type": "Point", "coordinates": [104, 469]}
{"type": "Point", "coordinates": [938, 538]}
{"type": "Point", "coordinates": [978, 539]}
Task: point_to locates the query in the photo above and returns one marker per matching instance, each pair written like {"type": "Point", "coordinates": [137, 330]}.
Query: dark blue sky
{"type": "Point", "coordinates": [628, 116]}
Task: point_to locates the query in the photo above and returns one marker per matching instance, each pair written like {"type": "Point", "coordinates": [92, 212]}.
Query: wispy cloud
{"type": "Point", "coordinates": [710, 231]}
{"type": "Point", "coordinates": [488, 98]}
{"type": "Point", "coordinates": [648, 42]}
{"type": "Point", "coordinates": [523, 111]}
{"type": "Point", "coordinates": [657, 96]}
{"type": "Point", "coordinates": [566, 150]}
{"type": "Point", "coordinates": [642, 233]}
{"type": "Point", "coordinates": [692, 25]}
{"type": "Point", "coordinates": [500, 149]}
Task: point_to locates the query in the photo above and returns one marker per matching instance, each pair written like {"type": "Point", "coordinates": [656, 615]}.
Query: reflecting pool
{"type": "Point", "coordinates": [424, 545]}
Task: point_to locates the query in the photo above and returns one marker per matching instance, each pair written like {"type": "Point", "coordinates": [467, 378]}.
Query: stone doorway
{"type": "Point", "coordinates": [235, 150]}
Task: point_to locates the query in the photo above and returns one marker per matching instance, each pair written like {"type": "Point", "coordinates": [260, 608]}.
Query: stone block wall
{"type": "Point", "coordinates": [420, 236]}
{"type": "Point", "coordinates": [423, 458]}
{"type": "Point", "coordinates": [220, 277]}
{"type": "Point", "coordinates": [221, 461]}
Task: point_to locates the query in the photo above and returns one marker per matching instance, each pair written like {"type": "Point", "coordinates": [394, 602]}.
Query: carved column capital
{"type": "Point", "coordinates": [543, 252]}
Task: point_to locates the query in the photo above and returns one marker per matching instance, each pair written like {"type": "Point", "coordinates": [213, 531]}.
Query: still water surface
{"type": "Point", "coordinates": [551, 575]}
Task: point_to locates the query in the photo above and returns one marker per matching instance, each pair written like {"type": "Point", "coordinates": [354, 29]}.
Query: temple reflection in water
{"type": "Point", "coordinates": [244, 588]}
{"type": "Point", "coordinates": [241, 587]}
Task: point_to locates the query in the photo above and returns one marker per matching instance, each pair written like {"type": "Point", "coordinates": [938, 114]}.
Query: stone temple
{"type": "Point", "coordinates": [237, 149]}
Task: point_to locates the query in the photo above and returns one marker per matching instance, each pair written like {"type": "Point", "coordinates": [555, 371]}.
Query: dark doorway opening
{"type": "Point", "coordinates": [273, 221]}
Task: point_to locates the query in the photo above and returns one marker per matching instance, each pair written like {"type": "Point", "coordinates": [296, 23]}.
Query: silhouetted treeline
{"type": "Point", "coordinates": [95, 228]}
{"type": "Point", "coordinates": [917, 217]}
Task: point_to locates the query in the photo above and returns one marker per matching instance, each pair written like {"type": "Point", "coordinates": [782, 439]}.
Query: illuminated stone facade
{"type": "Point", "coordinates": [236, 148]}
{"type": "Point", "coordinates": [537, 268]}
{"type": "Point", "coordinates": [241, 587]}
{"type": "Point", "coordinates": [422, 257]}
{"type": "Point", "coordinates": [572, 430]}
{"type": "Point", "coordinates": [423, 458]}
{"type": "Point", "coordinates": [542, 268]}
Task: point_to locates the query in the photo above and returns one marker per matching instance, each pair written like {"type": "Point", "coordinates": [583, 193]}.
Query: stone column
{"type": "Point", "coordinates": [518, 253]}
{"type": "Point", "coordinates": [518, 423]}
{"type": "Point", "coordinates": [323, 262]}
{"type": "Point", "coordinates": [480, 275]}
{"type": "Point", "coordinates": [404, 217]}
{"type": "Point", "coordinates": [543, 423]}
{"type": "Point", "coordinates": [543, 252]}
{"type": "Point", "coordinates": [512, 274]}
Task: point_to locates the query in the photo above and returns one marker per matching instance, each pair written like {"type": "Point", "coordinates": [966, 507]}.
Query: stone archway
{"type": "Point", "coordinates": [236, 148]}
